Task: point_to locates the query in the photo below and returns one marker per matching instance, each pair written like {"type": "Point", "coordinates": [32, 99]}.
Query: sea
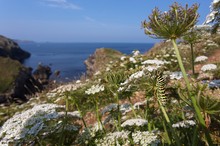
{"type": "Point", "coordinates": [68, 58]}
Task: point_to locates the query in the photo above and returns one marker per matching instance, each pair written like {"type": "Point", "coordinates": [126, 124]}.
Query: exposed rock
{"type": "Point", "coordinates": [99, 59]}
{"type": "Point", "coordinates": [9, 48]}
{"type": "Point", "coordinates": [16, 81]}
{"type": "Point", "coordinates": [42, 74]}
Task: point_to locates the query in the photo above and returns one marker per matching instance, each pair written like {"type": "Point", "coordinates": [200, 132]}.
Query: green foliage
{"type": "Point", "coordinates": [9, 69]}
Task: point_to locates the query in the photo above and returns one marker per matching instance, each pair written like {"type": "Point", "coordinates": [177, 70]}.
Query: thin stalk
{"type": "Point", "coordinates": [84, 122]}
{"type": "Point", "coordinates": [98, 117]}
{"type": "Point", "coordinates": [169, 124]}
{"type": "Point", "coordinates": [195, 135]}
{"type": "Point", "coordinates": [196, 108]}
{"type": "Point", "coordinates": [167, 133]}
{"type": "Point", "coordinates": [132, 108]}
{"type": "Point", "coordinates": [119, 112]}
{"type": "Point", "coordinates": [192, 53]}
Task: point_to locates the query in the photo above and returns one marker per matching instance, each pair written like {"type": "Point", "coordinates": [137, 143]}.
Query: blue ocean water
{"type": "Point", "coordinates": [69, 57]}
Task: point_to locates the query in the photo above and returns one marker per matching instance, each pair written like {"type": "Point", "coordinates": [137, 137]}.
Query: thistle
{"type": "Point", "coordinates": [172, 25]}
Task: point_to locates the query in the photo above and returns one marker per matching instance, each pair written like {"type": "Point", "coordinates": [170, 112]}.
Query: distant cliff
{"type": "Point", "coordinates": [9, 48]}
{"type": "Point", "coordinates": [16, 80]}
{"type": "Point", "coordinates": [101, 57]}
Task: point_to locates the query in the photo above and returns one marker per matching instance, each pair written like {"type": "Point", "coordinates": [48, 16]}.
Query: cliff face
{"type": "Point", "coordinates": [16, 80]}
{"type": "Point", "coordinates": [9, 48]}
{"type": "Point", "coordinates": [99, 59]}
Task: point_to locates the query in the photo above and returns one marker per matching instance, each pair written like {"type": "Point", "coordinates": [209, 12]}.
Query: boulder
{"type": "Point", "coordinates": [9, 48]}
{"type": "Point", "coordinates": [42, 74]}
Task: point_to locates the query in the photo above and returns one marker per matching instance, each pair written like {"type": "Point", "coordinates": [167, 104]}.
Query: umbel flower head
{"type": "Point", "coordinates": [172, 24]}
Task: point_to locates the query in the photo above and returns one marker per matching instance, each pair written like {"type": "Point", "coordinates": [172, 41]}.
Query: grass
{"type": "Point", "coordinates": [9, 70]}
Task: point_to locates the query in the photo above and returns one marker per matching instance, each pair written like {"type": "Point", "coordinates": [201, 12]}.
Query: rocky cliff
{"type": "Point", "coordinates": [9, 48]}
{"type": "Point", "coordinates": [99, 59]}
{"type": "Point", "coordinates": [16, 80]}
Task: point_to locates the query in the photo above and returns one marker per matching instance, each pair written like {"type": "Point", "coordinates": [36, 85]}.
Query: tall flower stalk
{"type": "Point", "coordinates": [191, 38]}
{"type": "Point", "coordinates": [172, 25]}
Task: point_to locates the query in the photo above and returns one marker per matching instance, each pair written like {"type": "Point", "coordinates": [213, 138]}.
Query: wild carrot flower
{"type": "Point", "coordinates": [145, 138]}
{"type": "Point", "coordinates": [184, 124]}
{"type": "Point", "coordinates": [172, 24]}
{"type": "Point", "coordinates": [95, 89]}
{"type": "Point", "coordinates": [114, 139]}
{"type": "Point", "coordinates": [208, 67]}
{"type": "Point", "coordinates": [134, 122]}
{"type": "Point", "coordinates": [29, 122]}
{"type": "Point", "coordinates": [155, 61]}
{"type": "Point", "coordinates": [201, 58]}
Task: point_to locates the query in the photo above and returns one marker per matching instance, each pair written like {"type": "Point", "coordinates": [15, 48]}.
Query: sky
{"type": "Point", "coordinates": [83, 20]}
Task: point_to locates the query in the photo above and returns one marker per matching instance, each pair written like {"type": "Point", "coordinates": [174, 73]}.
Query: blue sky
{"type": "Point", "coordinates": [82, 20]}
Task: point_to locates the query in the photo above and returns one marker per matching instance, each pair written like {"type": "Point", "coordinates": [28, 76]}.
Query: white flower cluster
{"type": "Point", "coordinates": [114, 139]}
{"type": "Point", "coordinates": [184, 124]}
{"type": "Point", "coordinates": [208, 67]}
{"type": "Point", "coordinates": [131, 59]}
{"type": "Point", "coordinates": [176, 75]}
{"type": "Point", "coordinates": [135, 53]}
{"type": "Point", "coordinates": [29, 122]}
{"type": "Point", "coordinates": [155, 61]}
{"type": "Point", "coordinates": [123, 58]}
{"type": "Point", "coordinates": [95, 89]}
{"type": "Point", "coordinates": [145, 138]}
{"type": "Point", "coordinates": [134, 122]}
{"type": "Point", "coordinates": [151, 68]}
{"type": "Point", "coordinates": [201, 58]}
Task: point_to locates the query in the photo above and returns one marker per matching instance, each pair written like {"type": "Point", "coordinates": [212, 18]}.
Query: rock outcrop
{"type": "Point", "coordinates": [16, 81]}
{"type": "Point", "coordinates": [9, 48]}
{"type": "Point", "coordinates": [99, 59]}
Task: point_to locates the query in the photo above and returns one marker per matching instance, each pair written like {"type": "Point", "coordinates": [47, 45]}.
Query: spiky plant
{"type": "Point", "coordinates": [173, 25]}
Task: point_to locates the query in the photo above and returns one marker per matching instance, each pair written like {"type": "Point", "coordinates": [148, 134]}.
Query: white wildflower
{"type": "Point", "coordinates": [115, 138]}
{"type": "Point", "coordinates": [135, 53]}
{"type": "Point", "coordinates": [123, 58]}
{"type": "Point", "coordinates": [134, 122]}
{"type": "Point", "coordinates": [131, 59]}
{"type": "Point", "coordinates": [137, 105]}
{"type": "Point", "coordinates": [157, 62]}
{"type": "Point", "coordinates": [151, 68]}
{"type": "Point", "coordinates": [107, 69]}
{"type": "Point", "coordinates": [201, 58]}
{"type": "Point", "coordinates": [176, 75]}
{"type": "Point", "coordinates": [97, 73]}
{"type": "Point", "coordinates": [29, 122]}
{"type": "Point", "coordinates": [184, 124]}
{"type": "Point", "coordinates": [78, 81]}
{"type": "Point", "coordinates": [145, 138]}
{"type": "Point", "coordinates": [208, 67]}
{"type": "Point", "coordinates": [95, 89]}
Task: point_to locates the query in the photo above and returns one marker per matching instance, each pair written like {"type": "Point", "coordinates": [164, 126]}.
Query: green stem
{"type": "Point", "coordinates": [132, 108]}
{"type": "Point", "coordinates": [169, 124]}
{"type": "Point", "coordinates": [195, 135]}
{"type": "Point", "coordinates": [196, 108]}
{"type": "Point", "coordinates": [192, 53]}
{"type": "Point", "coordinates": [84, 122]}
{"type": "Point", "coordinates": [119, 112]}
{"type": "Point", "coordinates": [181, 65]}
{"type": "Point", "coordinates": [98, 116]}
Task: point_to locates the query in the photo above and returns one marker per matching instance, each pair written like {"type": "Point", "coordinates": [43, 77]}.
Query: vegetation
{"type": "Point", "coordinates": [9, 69]}
{"type": "Point", "coordinates": [133, 100]}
